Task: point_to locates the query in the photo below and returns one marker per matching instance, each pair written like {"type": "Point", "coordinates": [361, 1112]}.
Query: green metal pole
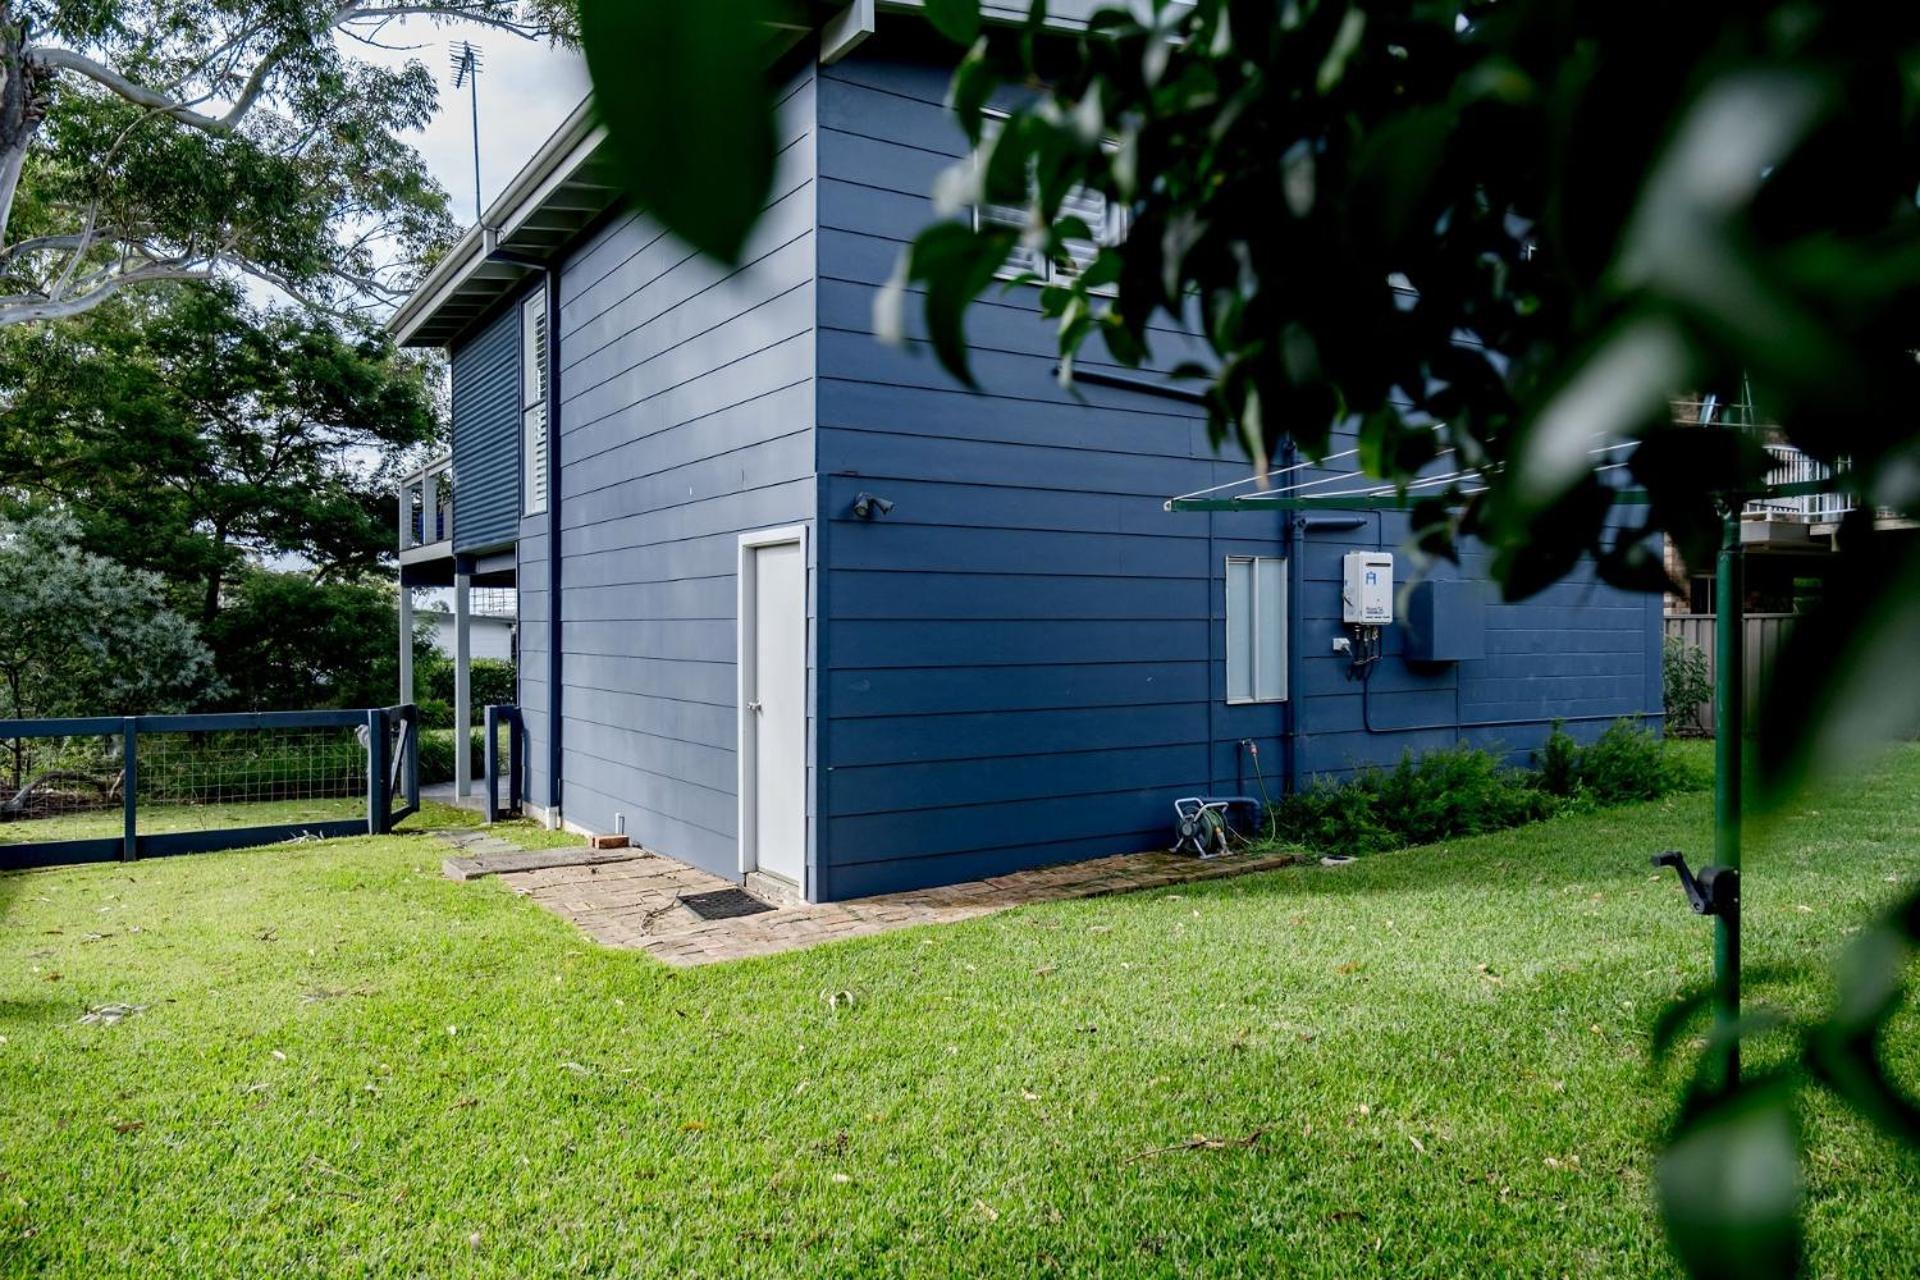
{"type": "Point", "coordinates": [1729, 759]}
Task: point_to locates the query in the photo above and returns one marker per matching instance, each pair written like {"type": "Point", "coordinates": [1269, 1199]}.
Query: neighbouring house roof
{"type": "Point", "coordinates": [570, 181]}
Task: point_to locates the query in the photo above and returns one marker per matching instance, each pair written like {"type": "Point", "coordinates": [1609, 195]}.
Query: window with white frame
{"type": "Point", "coordinates": [1256, 629]}
{"type": "Point", "coordinates": [533, 402]}
{"type": "Point", "coordinates": [1107, 220]}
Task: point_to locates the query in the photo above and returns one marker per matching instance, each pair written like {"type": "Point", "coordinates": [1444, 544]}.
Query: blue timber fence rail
{"type": "Point", "coordinates": [388, 738]}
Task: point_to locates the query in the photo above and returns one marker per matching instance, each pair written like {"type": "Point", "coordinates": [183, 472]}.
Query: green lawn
{"type": "Point", "coordinates": [1429, 1063]}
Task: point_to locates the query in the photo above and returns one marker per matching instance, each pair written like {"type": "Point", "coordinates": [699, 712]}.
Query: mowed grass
{"type": "Point", "coordinates": [1429, 1063]}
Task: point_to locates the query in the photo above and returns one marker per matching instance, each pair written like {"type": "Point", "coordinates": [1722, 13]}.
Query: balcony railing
{"type": "Point", "coordinates": [426, 506]}
{"type": "Point", "coordinates": [1790, 466]}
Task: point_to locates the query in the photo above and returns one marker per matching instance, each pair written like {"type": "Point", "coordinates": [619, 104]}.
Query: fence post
{"type": "Point", "coordinates": [411, 716]}
{"type": "Point", "coordinates": [516, 759]}
{"type": "Point", "coordinates": [376, 772]}
{"type": "Point", "coordinates": [130, 787]}
{"type": "Point", "coordinates": [490, 759]}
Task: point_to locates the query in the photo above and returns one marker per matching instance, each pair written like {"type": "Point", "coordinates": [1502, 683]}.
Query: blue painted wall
{"type": "Point", "coordinates": [1024, 662]}
{"type": "Point", "coordinates": [485, 393]}
{"type": "Point", "coordinates": [686, 418]}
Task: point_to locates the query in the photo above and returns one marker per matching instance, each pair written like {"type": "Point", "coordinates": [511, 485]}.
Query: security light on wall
{"type": "Point", "coordinates": [866, 506]}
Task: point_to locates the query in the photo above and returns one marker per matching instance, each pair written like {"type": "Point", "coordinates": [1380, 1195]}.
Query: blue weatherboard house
{"type": "Point", "coordinates": [795, 605]}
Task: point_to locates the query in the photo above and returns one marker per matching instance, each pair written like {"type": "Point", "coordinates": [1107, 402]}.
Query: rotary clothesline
{"type": "Point", "coordinates": [1716, 892]}
{"type": "Point", "coordinates": [1368, 495]}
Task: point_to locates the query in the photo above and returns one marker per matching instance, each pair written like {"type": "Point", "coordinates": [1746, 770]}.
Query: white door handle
{"type": "Point", "coordinates": [753, 706]}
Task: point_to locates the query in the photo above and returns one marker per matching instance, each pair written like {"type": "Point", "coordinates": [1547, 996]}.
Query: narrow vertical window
{"type": "Point", "coordinates": [1256, 629]}
{"type": "Point", "coordinates": [533, 402]}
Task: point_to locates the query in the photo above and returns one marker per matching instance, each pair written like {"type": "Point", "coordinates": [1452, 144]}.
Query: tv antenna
{"type": "Point", "coordinates": [467, 60]}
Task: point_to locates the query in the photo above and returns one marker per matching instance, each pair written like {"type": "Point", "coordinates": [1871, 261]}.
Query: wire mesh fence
{"type": "Point", "coordinates": [97, 788]}
{"type": "Point", "coordinates": [65, 777]}
{"type": "Point", "coordinates": [252, 778]}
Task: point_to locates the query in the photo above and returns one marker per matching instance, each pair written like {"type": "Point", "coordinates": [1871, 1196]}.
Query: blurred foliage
{"type": "Point", "coordinates": [1502, 233]}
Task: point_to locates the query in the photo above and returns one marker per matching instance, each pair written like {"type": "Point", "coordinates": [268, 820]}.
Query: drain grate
{"type": "Point", "coordinates": [723, 904]}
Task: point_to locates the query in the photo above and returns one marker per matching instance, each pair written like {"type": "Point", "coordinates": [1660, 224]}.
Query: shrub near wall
{"type": "Point", "coordinates": [1463, 791]}
{"type": "Point", "coordinates": [436, 753]}
{"type": "Point", "coordinates": [1687, 682]}
{"type": "Point", "coordinates": [492, 683]}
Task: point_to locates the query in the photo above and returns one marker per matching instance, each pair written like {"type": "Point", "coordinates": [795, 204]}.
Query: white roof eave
{"type": "Point", "coordinates": [557, 193]}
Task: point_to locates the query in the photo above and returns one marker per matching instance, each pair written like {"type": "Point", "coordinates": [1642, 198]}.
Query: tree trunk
{"type": "Point", "coordinates": [23, 104]}
{"type": "Point", "coordinates": [210, 607]}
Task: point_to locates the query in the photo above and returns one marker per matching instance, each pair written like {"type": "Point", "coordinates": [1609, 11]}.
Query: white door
{"type": "Point", "coordinates": [774, 805]}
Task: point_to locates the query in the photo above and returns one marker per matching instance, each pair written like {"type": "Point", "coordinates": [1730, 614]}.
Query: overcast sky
{"type": "Point", "coordinates": [526, 89]}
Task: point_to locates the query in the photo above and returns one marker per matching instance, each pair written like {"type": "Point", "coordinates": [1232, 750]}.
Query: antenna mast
{"type": "Point", "coordinates": [467, 60]}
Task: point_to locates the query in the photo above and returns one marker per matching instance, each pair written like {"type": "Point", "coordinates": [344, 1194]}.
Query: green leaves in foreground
{"type": "Point", "coordinates": [682, 86]}
{"type": "Point", "coordinates": [1729, 1180]}
{"type": "Point", "coordinates": [1730, 1189]}
{"type": "Point", "coordinates": [957, 20]}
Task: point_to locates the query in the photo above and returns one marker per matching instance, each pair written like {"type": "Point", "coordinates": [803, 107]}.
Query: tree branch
{"type": "Point", "coordinates": [29, 308]}
{"type": "Point", "coordinates": [138, 94]}
{"type": "Point", "coordinates": [208, 96]}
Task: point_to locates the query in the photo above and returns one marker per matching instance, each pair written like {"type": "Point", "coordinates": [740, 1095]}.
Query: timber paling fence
{"type": "Point", "coordinates": [1765, 634]}
{"type": "Point", "coordinates": [114, 789]}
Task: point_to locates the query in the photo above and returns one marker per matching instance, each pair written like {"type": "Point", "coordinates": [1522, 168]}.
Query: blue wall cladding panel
{"type": "Point", "coordinates": [1446, 620]}
{"type": "Point", "coordinates": [485, 388]}
{"type": "Point", "coordinates": [686, 419]}
{"type": "Point", "coordinates": [1024, 662]}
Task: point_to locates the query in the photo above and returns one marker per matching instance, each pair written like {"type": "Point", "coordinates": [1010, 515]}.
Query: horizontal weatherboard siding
{"type": "Point", "coordinates": [1021, 658]}
{"type": "Point", "coordinates": [1024, 661]}
{"type": "Point", "coordinates": [686, 419]}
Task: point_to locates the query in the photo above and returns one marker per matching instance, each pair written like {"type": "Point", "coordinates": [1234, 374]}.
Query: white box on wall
{"type": "Point", "coordinates": [1366, 596]}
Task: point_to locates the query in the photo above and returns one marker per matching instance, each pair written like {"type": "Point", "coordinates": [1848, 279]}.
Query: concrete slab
{"type": "Point", "coordinates": [636, 904]}
{"type": "Point", "coordinates": [498, 858]}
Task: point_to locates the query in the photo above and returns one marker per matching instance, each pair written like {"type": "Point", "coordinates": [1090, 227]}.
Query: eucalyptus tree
{"type": "Point", "coordinates": [188, 432]}
{"type": "Point", "coordinates": [1502, 233]}
{"type": "Point", "coordinates": [155, 140]}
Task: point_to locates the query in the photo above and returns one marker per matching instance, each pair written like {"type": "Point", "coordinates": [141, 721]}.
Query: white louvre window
{"type": "Point", "coordinates": [1105, 219]}
{"type": "Point", "coordinates": [1256, 629]}
{"type": "Point", "coordinates": [533, 402]}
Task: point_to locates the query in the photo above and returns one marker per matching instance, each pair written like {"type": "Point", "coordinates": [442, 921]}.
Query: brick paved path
{"type": "Point", "coordinates": [634, 903]}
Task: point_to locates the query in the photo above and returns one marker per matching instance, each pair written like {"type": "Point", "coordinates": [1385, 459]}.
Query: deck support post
{"type": "Point", "coordinates": [406, 641]}
{"type": "Point", "coordinates": [462, 680]}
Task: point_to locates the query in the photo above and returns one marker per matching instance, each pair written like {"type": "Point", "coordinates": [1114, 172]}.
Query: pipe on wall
{"type": "Point", "coordinates": [554, 630]}
{"type": "Point", "coordinates": [550, 282]}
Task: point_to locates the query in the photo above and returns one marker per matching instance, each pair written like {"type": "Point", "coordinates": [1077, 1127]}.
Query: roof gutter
{"type": "Point", "coordinates": [844, 23]}
{"type": "Point", "coordinates": [576, 139]}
